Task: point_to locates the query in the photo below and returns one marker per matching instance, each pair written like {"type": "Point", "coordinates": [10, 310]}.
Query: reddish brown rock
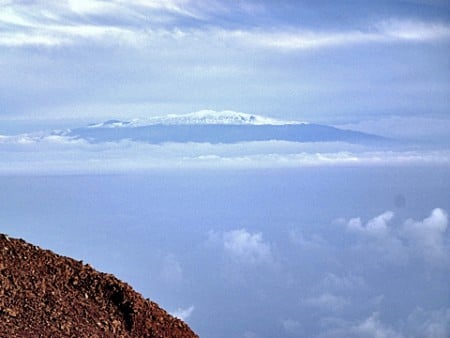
{"type": "Point", "coordinates": [43, 294]}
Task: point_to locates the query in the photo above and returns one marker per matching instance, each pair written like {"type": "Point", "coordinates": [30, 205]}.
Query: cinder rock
{"type": "Point", "coordinates": [47, 295]}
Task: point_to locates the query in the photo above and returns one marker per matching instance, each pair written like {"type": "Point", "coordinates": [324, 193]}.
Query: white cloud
{"type": "Point", "coordinates": [426, 240]}
{"type": "Point", "coordinates": [413, 30]}
{"type": "Point", "coordinates": [8, 15]}
{"type": "Point", "coordinates": [171, 271]}
{"type": "Point", "coordinates": [88, 6]}
{"type": "Point", "coordinates": [429, 324]}
{"type": "Point", "coordinates": [427, 237]}
{"type": "Point", "coordinates": [419, 323]}
{"type": "Point", "coordinates": [60, 23]}
{"type": "Point", "coordinates": [180, 7]}
{"type": "Point", "coordinates": [183, 313]}
{"type": "Point", "coordinates": [377, 226]}
{"type": "Point", "coordinates": [327, 302]}
{"type": "Point", "coordinates": [347, 282]}
{"type": "Point", "coordinates": [245, 247]}
{"type": "Point", "coordinates": [65, 23]}
{"type": "Point", "coordinates": [404, 127]}
{"type": "Point", "coordinates": [31, 141]}
{"type": "Point", "coordinates": [57, 35]}
{"type": "Point", "coordinates": [378, 240]}
{"type": "Point", "coordinates": [384, 32]}
{"type": "Point", "coordinates": [308, 242]}
{"type": "Point", "coordinates": [250, 334]}
{"type": "Point", "coordinates": [291, 326]}
{"type": "Point", "coordinates": [372, 327]}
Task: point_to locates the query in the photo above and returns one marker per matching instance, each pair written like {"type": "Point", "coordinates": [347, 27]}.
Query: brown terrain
{"type": "Point", "coordinates": [43, 294]}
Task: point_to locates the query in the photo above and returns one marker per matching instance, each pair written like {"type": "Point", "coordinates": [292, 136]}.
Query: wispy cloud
{"type": "Point", "coordinates": [139, 23]}
{"type": "Point", "coordinates": [183, 313]}
{"type": "Point", "coordinates": [419, 323]}
{"type": "Point", "coordinates": [388, 31]}
{"type": "Point", "coordinates": [291, 326]}
{"type": "Point", "coordinates": [342, 283]}
{"type": "Point", "coordinates": [413, 30]}
{"type": "Point", "coordinates": [431, 129]}
{"type": "Point", "coordinates": [327, 302]}
{"type": "Point", "coordinates": [373, 327]}
{"type": "Point", "coordinates": [171, 271]}
{"type": "Point", "coordinates": [72, 22]}
{"type": "Point", "coordinates": [429, 323]}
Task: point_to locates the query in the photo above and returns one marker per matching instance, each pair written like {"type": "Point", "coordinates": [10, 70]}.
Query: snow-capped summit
{"type": "Point", "coordinates": [216, 127]}
{"type": "Point", "coordinates": [110, 124]}
{"type": "Point", "coordinates": [202, 117]}
{"type": "Point", "coordinates": [221, 117]}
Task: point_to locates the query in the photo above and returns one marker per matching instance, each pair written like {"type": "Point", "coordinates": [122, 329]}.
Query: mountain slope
{"type": "Point", "coordinates": [46, 295]}
{"type": "Point", "coordinates": [221, 127]}
{"type": "Point", "coordinates": [216, 133]}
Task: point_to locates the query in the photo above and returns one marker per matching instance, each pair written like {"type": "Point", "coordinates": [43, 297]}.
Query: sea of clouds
{"type": "Point", "coordinates": [38, 153]}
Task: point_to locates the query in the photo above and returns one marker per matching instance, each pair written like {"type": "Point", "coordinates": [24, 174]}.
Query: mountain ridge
{"type": "Point", "coordinates": [202, 117]}
{"type": "Point", "coordinates": [224, 133]}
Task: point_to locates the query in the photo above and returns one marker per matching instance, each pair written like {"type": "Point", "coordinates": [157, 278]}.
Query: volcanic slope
{"type": "Point", "coordinates": [43, 294]}
{"type": "Point", "coordinates": [217, 127]}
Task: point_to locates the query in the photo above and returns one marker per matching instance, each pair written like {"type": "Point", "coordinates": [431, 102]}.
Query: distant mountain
{"type": "Point", "coordinates": [217, 127]}
{"type": "Point", "coordinates": [226, 117]}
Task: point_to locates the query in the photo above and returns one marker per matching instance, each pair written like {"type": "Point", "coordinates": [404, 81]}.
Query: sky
{"type": "Point", "coordinates": [378, 67]}
{"type": "Point", "coordinates": [339, 62]}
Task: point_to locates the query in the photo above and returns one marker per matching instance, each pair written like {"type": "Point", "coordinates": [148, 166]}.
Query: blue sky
{"type": "Point", "coordinates": [340, 62]}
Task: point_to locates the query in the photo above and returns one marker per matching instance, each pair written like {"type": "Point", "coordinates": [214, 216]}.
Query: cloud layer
{"type": "Point", "coordinates": [383, 248]}
{"type": "Point", "coordinates": [40, 153]}
{"type": "Point", "coordinates": [141, 23]}
{"type": "Point", "coordinates": [292, 60]}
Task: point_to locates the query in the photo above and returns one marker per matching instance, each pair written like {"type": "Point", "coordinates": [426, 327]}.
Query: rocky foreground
{"type": "Point", "coordinates": [43, 294]}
